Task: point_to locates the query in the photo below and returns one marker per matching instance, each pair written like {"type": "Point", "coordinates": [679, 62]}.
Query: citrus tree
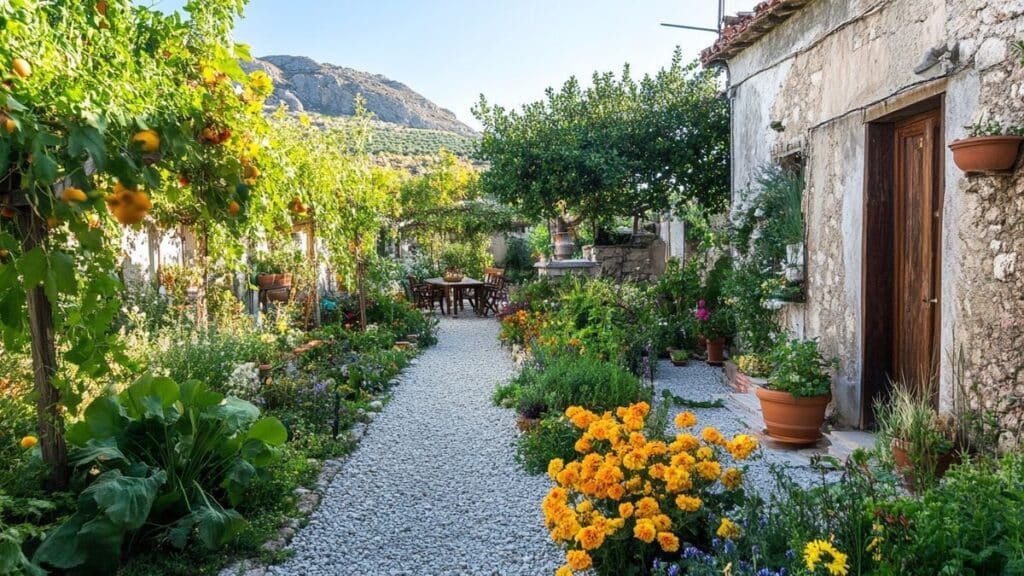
{"type": "Point", "coordinates": [111, 112]}
{"type": "Point", "coordinates": [620, 147]}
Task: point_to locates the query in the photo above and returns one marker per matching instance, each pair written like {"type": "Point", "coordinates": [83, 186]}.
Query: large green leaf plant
{"type": "Point", "coordinates": [167, 462]}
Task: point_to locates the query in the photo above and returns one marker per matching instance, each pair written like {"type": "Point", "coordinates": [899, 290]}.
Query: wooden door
{"type": "Point", "coordinates": [916, 236]}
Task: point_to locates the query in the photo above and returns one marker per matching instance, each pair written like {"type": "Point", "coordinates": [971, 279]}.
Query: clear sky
{"type": "Point", "coordinates": [451, 51]}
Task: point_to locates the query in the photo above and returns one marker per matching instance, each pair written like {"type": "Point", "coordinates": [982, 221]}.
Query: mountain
{"type": "Point", "coordinates": [306, 85]}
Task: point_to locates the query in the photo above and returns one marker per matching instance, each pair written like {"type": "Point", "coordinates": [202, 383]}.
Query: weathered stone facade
{"type": "Point", "coordinates": [818, 78]}
{"type": "Point", "coordinates": [642, 260]}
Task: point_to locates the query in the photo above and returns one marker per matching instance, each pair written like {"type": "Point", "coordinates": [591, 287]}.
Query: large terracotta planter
{"type": "Point", "coordinates": [986, 153]}
{"type": "Point", "coordinates": [274, 281]}
{"type": "Point", "coordinates": [716, 351]}
{"type": "Point", "coordinates": [792, 420]}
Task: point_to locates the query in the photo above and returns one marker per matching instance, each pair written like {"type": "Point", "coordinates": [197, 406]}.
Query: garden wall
{"type": "Point", "coordinates": [638, 261]}
{"type": "Point", "coordinates": [819, 77]}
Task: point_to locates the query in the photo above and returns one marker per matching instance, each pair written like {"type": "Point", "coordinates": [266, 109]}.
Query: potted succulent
{"type": "Point", "coordinates": [752, 371]}
{"type": "Point", "coordinates": [988, 147]}
{"type": "Point", "coordinates": [798, 390]}
{"type": "Point", "coordinates": [679, 357]}
{"type": "Point", "coordinates": [713, 326]}
{"type": "Point", "coordinates": [921, 441]}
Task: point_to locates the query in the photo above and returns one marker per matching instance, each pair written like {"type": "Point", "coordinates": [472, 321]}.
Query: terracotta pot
{"type": "Point", "coordinates": [525, 424]}
{"type": "Point", "coordinates": [906, 468]}
{"type": "Point", "coordinates": [274, 281]}
{"type": "Point", "coordinates": [716, 351]}
{"type": "Point", "coordinates": [986, 153]}
{"type": "Point", "coordinates": [702, 343]}
{"type": "Point", "coordinates": [792, 420]}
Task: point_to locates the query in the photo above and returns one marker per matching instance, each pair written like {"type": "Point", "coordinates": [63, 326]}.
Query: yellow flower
{"type": "Point", "coordinates": [712, 436]}
{"type": "Point", "coordinates": [647, 507]}
{"type": "Point", "coordinates": [626, 509]}
{"type": "Point", "coordinates": [590, 537]}
{"type": "Point", "coordinates": [705, 453]}
{"type": "Point", "coordinates": [668, 541]}
{"type": "Point", "coordinates": [578, 559]}
{"type": "Point", "coordinates": [645, 531]}
{"type": "Point", "coordinates": [688, 503]}
{"type": "Point", "coordinates": [709, 470]}
{"type": "Point", "coordinates": [563, 571]}
{"type": "Point", "coordinates": [554, 467]}
{"type": "Point", "coordinates": [585, 506]}
{"type": "Point", "coordinates": [28, 442]}
{"type": "Point", "coordinates": [741, 446]}
{"type": "Point", "coordinates": [686, 420]}
{"type": "Point", "coordinates": [583, 445]}
{"type": "Point", "coordinates": [732, 478]}
{"type": "Point", "coordinates": [728, 529]}
{"type": "Point", "coordinates": [813, 551]}
{"type": "Point", "coordinates": [662, 522]}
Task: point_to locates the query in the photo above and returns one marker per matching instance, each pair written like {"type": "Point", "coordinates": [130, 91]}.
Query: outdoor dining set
{"type": "Point", "coordinates": [450, 293]}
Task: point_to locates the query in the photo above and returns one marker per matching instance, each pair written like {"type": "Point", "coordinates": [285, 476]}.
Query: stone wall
{"type": "Point", "coordinates": [824, 73]}
{"type": "Point", "coordinates": [643, 260]}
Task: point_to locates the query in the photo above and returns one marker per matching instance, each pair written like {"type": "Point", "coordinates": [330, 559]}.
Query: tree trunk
{"type": "Point", "coordinates": [50, 421]}
{"type": "Point", "coordinates": [360, 273]}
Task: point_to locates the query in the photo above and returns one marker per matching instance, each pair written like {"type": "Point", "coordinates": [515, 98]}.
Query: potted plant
{"type": "Point", "coordinates": [921, 441]}
{"type": "Point", "coordinates": [798, 390]}
{"type": "Point", "coordinates": [752, 371]}
{"type": "Point", "coordinates": [273, 269]}
{"type": "Point", "coordinates": [713, 326]}
{"type": "Point", "coordinates": [679, 357]}
{"type": "Point", "coordinates": [531, 404]}
{"type": "Point", "coordinates": [989, 147]}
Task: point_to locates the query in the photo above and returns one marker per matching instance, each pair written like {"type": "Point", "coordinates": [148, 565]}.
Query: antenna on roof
{"type": "Point", "coordinates": [716, 30]}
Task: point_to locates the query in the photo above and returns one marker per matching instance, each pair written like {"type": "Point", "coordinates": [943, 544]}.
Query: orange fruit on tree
{"type": "Point", "coordinates": [52, 222]}
{"type": "Point", "coordinates": [28, 442]}
{"type": "Point", "coordinates": [251, 172]}
{"type": "Point", "coordinates": [148, 140]}
{"type": "Point", "coordinates": [9, 124]}
{"type": "Point", "coordinates": [101, 7]}
{"type": "Point", "coordinates": [72, 194]}
{"type": "Point", "coordinates": [21, 68]}
{"type": "Point", "coordinates": [7, 212]}
{"type": "Point", "coordinates": [233, 208]}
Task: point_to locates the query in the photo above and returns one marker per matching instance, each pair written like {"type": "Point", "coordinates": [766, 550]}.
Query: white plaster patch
{"type": "Point", "coordinates": [1004, 266]}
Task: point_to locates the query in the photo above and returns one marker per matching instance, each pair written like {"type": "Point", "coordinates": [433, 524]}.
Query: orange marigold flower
{"type": "Point", "coordinates": [626, 509]}
{"type": "Point", "coordinates": [709, 470]}
{"type": "Point", "coordinates": [647, 507]}
{"type": "Point", "coordinates": [590, 537]}
{"type": "Point", "coordinates": [688, 503]}
{"type": "Point", "coordinates": [668, 541]}
{"type": "Point", "coordinates": [578, 559]}
{"type": "Point", "coordinates": [712, 436]}
{"type": "Point", "coordinates": [732, 478]}
{"type": "Point", "coordinates": [741, 446]}
{"type": "Point", "coordinates": [728, 529]}
{"type": "Point", "coordinates": [644, 531]}
{"type": "Point", "coordinates": [686, 420]}
{"type": "Point", "coordinates": [554, 467]}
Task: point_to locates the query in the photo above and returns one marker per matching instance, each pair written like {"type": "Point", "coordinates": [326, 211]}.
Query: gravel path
{"type": "Point", "coordinates": [433, 488]}
{"type": "Point", "coordinates": [700, 382]}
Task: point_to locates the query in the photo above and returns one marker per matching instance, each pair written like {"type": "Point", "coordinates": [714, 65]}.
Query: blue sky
{"type": "Point", "coordinates": [451, 51]}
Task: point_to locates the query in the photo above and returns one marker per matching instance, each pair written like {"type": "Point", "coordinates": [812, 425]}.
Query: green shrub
{"type": "Point", "coordinates": [971, 523]}
{"type": "Point", "coordinates": [555, 437]}
{"type": "Point", "coordinates": [164, 458]}
{"type": "Point", "coordinates": [569, 381]}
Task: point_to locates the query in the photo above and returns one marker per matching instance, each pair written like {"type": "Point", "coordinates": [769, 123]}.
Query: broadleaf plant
{"type": "Point", "coordinates": [167, 459]}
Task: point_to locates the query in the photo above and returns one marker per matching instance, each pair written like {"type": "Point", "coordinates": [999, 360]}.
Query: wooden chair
{"type": "Point", "coordinates": [424, 295]}
{"type": "Point", "coordinates": [495, 292]}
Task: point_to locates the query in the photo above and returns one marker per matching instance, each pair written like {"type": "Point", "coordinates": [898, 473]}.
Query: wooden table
{"type": "Point", "coordinates": [452, 289]}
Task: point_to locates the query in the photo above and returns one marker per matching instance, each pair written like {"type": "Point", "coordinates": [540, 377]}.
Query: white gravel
{"type": "Point", "coordinates": [433, 488]}
{"type": "Point", "coordinates": [700, 382]}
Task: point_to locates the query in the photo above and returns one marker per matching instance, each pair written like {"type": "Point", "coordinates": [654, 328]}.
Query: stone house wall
{"type": "Point", "coordinates": [638, 261]}
{"type": "Point", "coordinates": [822, 74]}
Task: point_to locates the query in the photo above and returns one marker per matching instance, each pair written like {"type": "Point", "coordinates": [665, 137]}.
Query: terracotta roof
{"type": "Point", "coordinates": [746, 28]}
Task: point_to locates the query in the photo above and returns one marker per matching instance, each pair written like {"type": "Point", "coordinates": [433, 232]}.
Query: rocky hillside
{"type": "Point", "coordinates": [306, 85]}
